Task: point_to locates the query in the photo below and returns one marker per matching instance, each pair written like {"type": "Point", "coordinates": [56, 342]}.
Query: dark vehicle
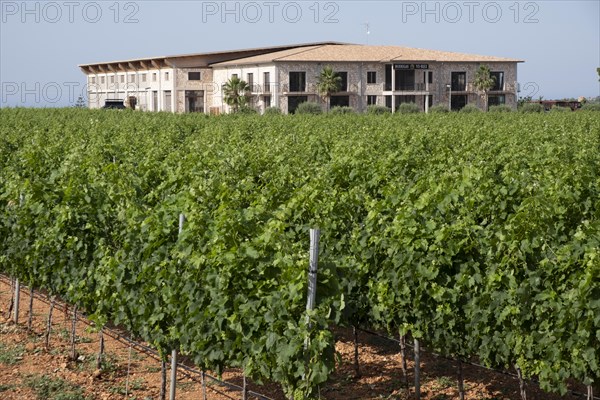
{"type": "Point", "coordinates": [114, 104]}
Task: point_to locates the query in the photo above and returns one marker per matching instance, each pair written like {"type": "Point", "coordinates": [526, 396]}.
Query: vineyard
{"type": "Point", "coordinates": [477, 235]}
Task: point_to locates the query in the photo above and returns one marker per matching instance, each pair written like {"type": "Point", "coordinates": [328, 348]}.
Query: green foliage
{"type": "Point", "coordinates": [590, 107]}
{"type": "Point", "coordinates": [246, 110]}
{"type": "Point", "coordinates": [531, 108]}
{"type": "Point", "coordinates": [377, 109]}
{"type": "Point", "coordinates": [439, 109]}
{"type": "Point", "coordinates": [408, 108]}
{"type": "Point", "coordinates": [502, 108]}
{"type": "Point", "coordinates": [50, 388]}
{"type": "Point", "coordinates": [470, 108]}
{"type": "Point", "coordinates": [236, 93]}
{"type": "Point", "coordinates": [478, 235]}
{"type": "Point", "coordinates": [272, 111]}
{"type": "Point", "coordinates": [560, 109]}
{"type": "Point", "coordinates": [309, 107]}
{"type": "Point", "coordinates": [342, 110]}
{"type": "Point", "coordinates": [11, 355]}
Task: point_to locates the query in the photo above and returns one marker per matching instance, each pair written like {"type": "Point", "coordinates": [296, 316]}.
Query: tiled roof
{"type": "Point", "coordinates": [363, 53]}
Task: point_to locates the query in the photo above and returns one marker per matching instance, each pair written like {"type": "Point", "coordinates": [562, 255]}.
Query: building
{"type": "Point", "coordinates": [285, 76]}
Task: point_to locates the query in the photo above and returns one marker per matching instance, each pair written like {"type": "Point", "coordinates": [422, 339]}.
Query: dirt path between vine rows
{"type": "Point", "coordinates": [30, 371]}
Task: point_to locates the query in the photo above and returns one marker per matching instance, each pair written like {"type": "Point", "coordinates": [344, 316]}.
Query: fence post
{"type": "Point", "coordinates": [417, 369]}
{"type": "Point", "coordinates": [17, 282]}
{"type": "Point", "coordinates": [173, 386]}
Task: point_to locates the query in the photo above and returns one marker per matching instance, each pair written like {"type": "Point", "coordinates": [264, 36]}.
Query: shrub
{"type": "Point", "coordinates": [272, 111]}
{"type": "Point", "coordinates": [377, 109]}
{"type": "Point", "coordinates": [342, 110]}
{"type": "Point", "coordinates": [439, 109]}
{"type": "Point", "coordinates": [502, 108]}
{"type": "Point", "coordinates": [246, 110]}
{"type": "Point", "coordinates": [560, 109]}
{"type": "Point", "coordinates": [309, 107]}
{"type": "Point", "coordinates": [470, 108]}
{"type": "Point", "coordinates": [590, 107]}
{"type": "Point", "coordinates": [408, 108]}
{"type": "Point", "coordinates": [532, 108]}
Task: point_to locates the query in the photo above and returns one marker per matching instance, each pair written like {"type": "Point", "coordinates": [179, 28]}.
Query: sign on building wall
{"type": "Point", "coordinates": [411, 66]}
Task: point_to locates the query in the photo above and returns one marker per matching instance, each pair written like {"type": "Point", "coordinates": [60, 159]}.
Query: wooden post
{"type": "Point", "coordinates": [73, 334]}
{"type": "Point", "coordinates": [163, 379]}
{"type": "Point", "coordinates": [17, 300]}
{"type": "Point", "coordinates": [461, 385]}
{"type": "Point", "coordinates": [173, 387]}
{"type": "Point", "coordinates": [315, 235]}
{"type": "Point", "coordinates": [30, 316]}
{"type": "Point", "coordinates": [356, 361]}
{"type": "Point", "coordinates": [203, 385]}
{"type": "Point", "coordinates": [244, 389]}
{"type": "Point", "coordinates": [49, 324]}
{"type": "Point", "coordinates": [417, 370]}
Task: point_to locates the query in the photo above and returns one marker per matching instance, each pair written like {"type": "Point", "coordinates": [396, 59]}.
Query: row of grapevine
{"type": "Point", "coordinates": [476, 234]}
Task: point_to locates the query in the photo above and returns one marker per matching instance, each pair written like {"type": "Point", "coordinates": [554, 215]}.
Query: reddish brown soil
{"type": "Point", "coordinates": [23, 357]}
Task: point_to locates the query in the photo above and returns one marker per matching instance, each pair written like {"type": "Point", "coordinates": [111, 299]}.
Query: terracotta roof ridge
{"type": "Point", "coordinates": [300, 51]}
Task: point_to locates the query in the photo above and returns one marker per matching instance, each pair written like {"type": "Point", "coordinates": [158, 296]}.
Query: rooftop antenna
{"type": "Point", "coordinates": [368, 32]}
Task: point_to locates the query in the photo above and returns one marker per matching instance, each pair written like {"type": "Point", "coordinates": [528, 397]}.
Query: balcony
{"type": "Point", "coordinates": [407, 87]}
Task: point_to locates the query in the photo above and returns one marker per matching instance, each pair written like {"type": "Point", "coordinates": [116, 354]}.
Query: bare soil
{"type": "Point", "coordinates": [30, 371]}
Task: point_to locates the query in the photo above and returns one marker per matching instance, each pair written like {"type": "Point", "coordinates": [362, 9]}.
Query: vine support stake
{"type": "Point", "coordinates": [73, 334]}
{"type": "Point", "coordinates": [30, 316]}
{"type": "Point", "coordinates": [202, 377]}
{"type": "Point", "coordinates": [17, 300]}
{"type": "Point", "coordinates": [315, 235]}
{"type": "Point", "coordinates": [173, 387]}
{"type": "Point", "coordinates": [417, 369]}
{"type": "Point", "coordinates": [244, 389]}
{"type": "Point", "coordinates": [49, 323]}
{"type": "Point", "coordinates": [590, 392]}
{"type": "Point", "coordinates": [356, 361]}
{"type": "Point", "coordinates": [461, 385]}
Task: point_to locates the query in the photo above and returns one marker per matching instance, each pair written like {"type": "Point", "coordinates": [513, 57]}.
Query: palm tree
{"type": "Point", "coordinates": [483, 82]}
{"type": "Point", "coordinates": [328, 82]}
{"type": "Point", "coordinates": [236, 93]}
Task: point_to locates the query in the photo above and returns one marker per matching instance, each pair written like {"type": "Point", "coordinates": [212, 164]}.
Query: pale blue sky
{"type": "Point", "coordinates": [41, 42]}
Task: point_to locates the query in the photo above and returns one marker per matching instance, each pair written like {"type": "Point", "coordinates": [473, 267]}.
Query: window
{"type": "Point", "coordinates": [459, 81]}
{"type": "Point", "coordinates": [102, 80]}
{"type": "Point", "coordinates": [167, 100]}
{"type": "Point", "coordinates": [496, 100]}
{"type": "Point", "coordinates": [93, 80]}
{"type": "Point", "coordinates": [154, 100]}
{"type": "Point", "coordinates": [371, 100]}
{"type": "Point", "coordinates": [154, 77]}
{"type": "Point", "coordinates": [131, 78]}
{"type": "Point", "coordinates": [267, 82]}
{"type": "Point", "coordinates": [498, 78]}
{"type": "Point", "coordinates": [166, 76]}
{"type": "Point", "coordinates": [297, 81]}
{"type": "Point", "coordinates": [194, 101]}
{"type": "Point", "coordinates": [343, 82]}
{"type": "Point", "coordinates": [122, 78]}
{"type": "Point", "coordinates": [194, 76]}
{"type": "Point", "coordinates": [405, 80]}
{"type": "Point", "coordinates": [234, 75]}
{"type": "Point", "coordinates": [267, 101]}
{"type": "Point", "coordinates": [143, 77]}
{"type": "Point", "coordinates": [371, 77]}
{"type": "Point", "coordinates": [112, 79]}
{"type": "Point", "coordinates": [250, 81]}
{"type": "Point", "coordinates": [458, 102]}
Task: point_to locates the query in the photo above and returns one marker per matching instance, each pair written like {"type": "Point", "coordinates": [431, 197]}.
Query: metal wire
{"type": "Point", "coordinates": [121, 337]}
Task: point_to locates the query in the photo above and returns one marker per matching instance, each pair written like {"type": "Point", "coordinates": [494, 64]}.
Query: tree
{"type": "Point", "coordinates": [80, 102]}
{"type": "Point", "coordinates": [483, 82]}
{"type": "Point", "coordinates": [236, 93]}
{"type": "Point", "coordinates": [328, 82]}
